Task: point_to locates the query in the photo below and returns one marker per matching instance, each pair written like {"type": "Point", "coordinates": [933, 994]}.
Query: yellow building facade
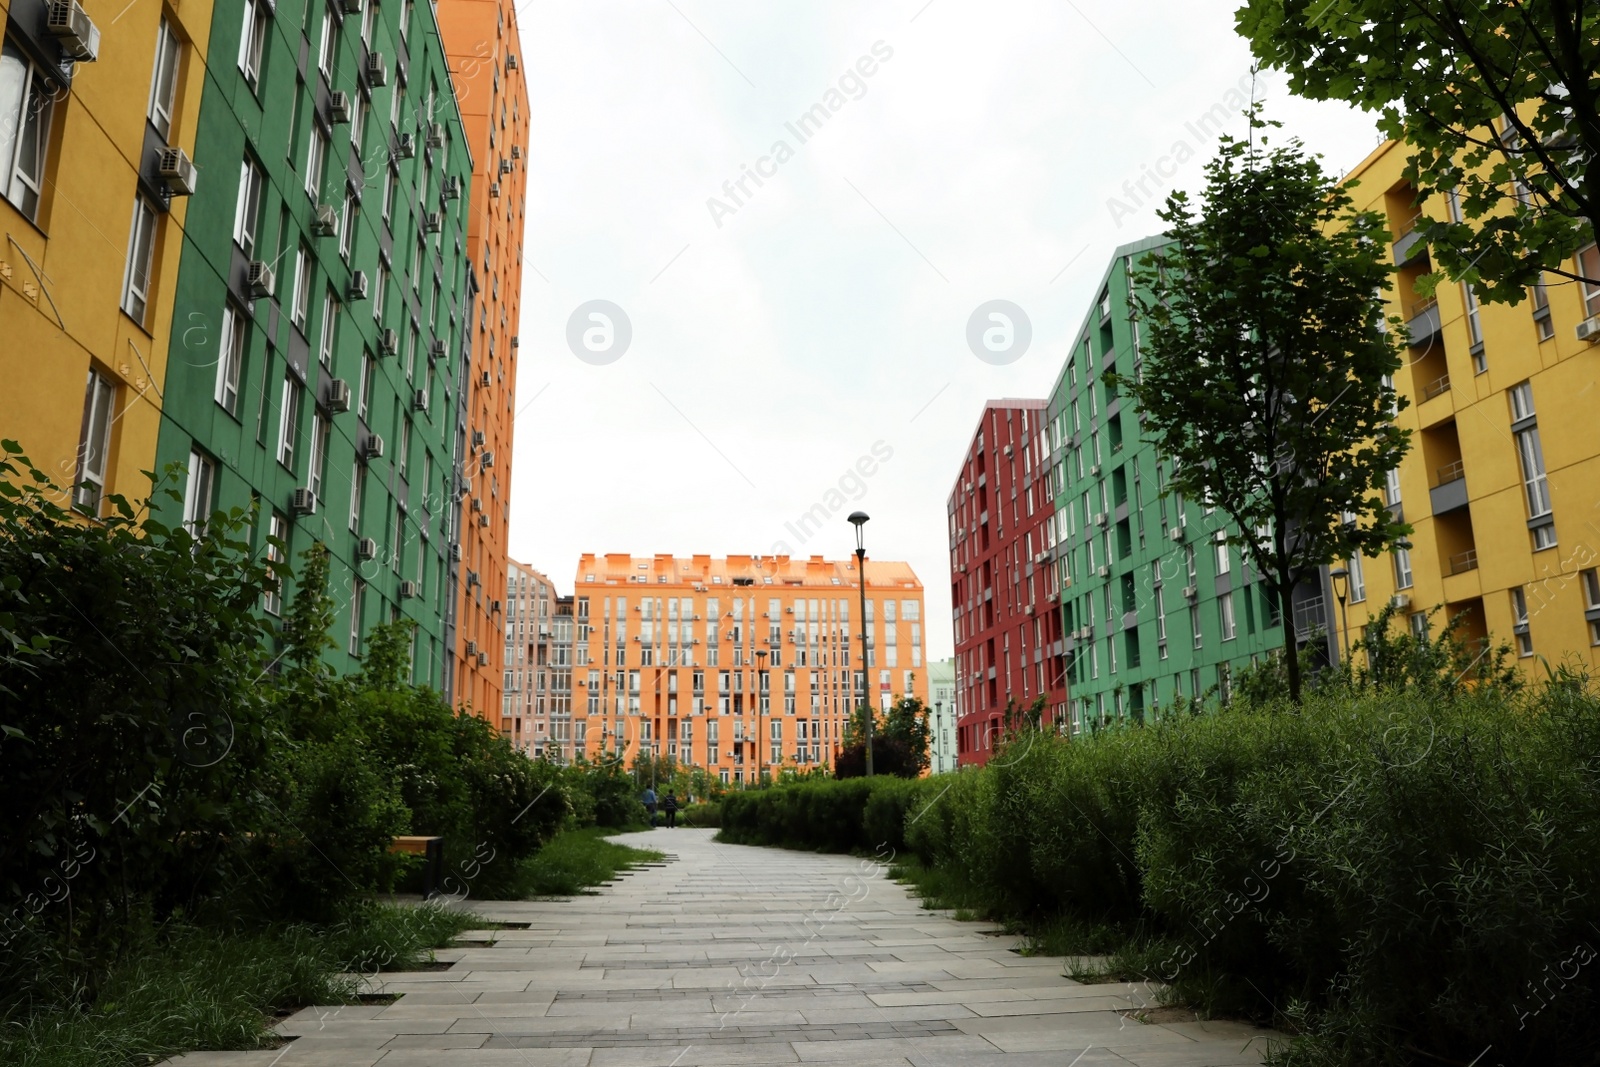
{"type": "Point", "coordinates": [737, 665]}
{"type": "Point", "coordinates": [92, 98]}
{"type": "Point", "coordinates": [1502, 482]}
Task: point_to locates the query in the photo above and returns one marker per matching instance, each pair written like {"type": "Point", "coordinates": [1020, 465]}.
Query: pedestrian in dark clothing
{"type": "Point", "coordinates": [670, 806]}
{"type": "Point", "coordinates": [649, 799]}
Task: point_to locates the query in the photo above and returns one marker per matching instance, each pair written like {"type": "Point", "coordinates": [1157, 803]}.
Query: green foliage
{"type": "Point", "coordinates": [578, 859]}
{"type": "Point", "coordinates": [1446, 77]}
{"type": "Point", "coordinates": [1267, 363]}
{"type": "Point", "coordinates": [708, 815]}
{"type": "Point", "coordinates": [900, 739]}
{"type": "Point", "coordinates": [827, 815]}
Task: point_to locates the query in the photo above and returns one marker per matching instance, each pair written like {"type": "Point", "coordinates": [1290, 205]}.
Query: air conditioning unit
{"type": "Point", "coordinates": [483, 520]}
{"type": "Point", "coordinates": [455, 552]}
{"type": "Point", "coordinates": [358, 286]}
{"type": "Point", "coordinates": [511, 61]}
{"type": "Point", "coordinates": [258, 278]}
{"type": "Point", "coordinates": [1105, 570]}
{"type": "Point", "coordinates": [352, 7]}
{"type": "Point", "coordinates": [366, 548]}
{"type": "Point", "coordinates": [516, 151]}
{"type": "Point", "coordinates": [494, 607]}
{"type": "Point", "coordinates": [338, 108]}
{"type": "Point", "coordinates": [1177, 533]}
{"type": "Point", "coordinates": [1028, 610]}
{"type": "Point", "coordinates": [433, 223]}
{"type": "Point", "coordinates": [1007, 450]}
{"type": "Point", "coordinates": [484, 379]}
{"type": "Point", "coordinates": [477, 438]}
{"type": "Point", "coordinates": [419, 400]}
{"type": "Point", "coordinates": [486, 461]}
{"type": "Point", "coordinates": [1190, 592]}
{"type": "Point", "coordinates": [472, 648]}
{"type": "Point", "coordinates": [452, 188]}
{"type": "Point", "coordinates": [304, 501]}
{"type": "Point", "coordinates": [477, 503]}
{"type": "Point", "coordinates": [78, 36]}
{"type": "Point", "coordinates": [377, 73]}
{"type": "Point", "coordinates": [326, 224]}
{"type": "Point", "coordinates": [177, 170]}
{"type": "Point", "coordinates": [436, 349]}
{"type": "Point", "coordinates": [338, 396]}
{"type": "Point", "coordinates": [516, 342]}
{"type": "Point", "coordinates": [494, 190]}
{"type": "Point", "coordinates": [483, 659]}
{"type": "Point", "coordinates": [505, 166]}
{"type": "Point", "coordinates": [1589, 330]}
{"type": "Point", "coordinates": [1094, 471]}
{"type": "Point", "coordinates": [408, 589]}
{"type": "Point", "coordinates": [435, 135]}
{"type": "Point", "coordinates": [389, 343]}
{"type": "Point", "coordinates": [406, 147]}
{"type": "Point", "coordinates": [1099, 518]}
{"type": "Point", "coordinates": [375, 447]}
{"type": "Point", "coordinates": [1400, 601]}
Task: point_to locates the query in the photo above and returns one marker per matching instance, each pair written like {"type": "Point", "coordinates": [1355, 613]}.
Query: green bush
{"type": "Point", "coordinates": [702, 815]}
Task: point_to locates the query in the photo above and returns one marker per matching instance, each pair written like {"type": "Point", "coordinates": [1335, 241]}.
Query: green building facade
{"type": "Point", "coordinates": [1153, 608]}
{"type": "Point", "coordinates": [324, 304]}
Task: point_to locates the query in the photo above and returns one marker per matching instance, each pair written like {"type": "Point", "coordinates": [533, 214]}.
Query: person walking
{"type": "Point", "coordinates": [670, 806]}
{"type": "Point", "coordinates": [649, 799]}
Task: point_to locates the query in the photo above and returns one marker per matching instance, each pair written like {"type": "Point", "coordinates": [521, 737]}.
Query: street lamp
{"type": "Point", "coordinates": [1341, 585]}
{"type": "Point", "coordinates": [761, 695]}
{"type": "Point", "coordinates": [858, 519]}
{"type": "Point", "coordinates": [938, 735]}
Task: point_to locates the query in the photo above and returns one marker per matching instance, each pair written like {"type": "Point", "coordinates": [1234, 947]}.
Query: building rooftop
{"type": "Point", "coordinates": [733, 571]}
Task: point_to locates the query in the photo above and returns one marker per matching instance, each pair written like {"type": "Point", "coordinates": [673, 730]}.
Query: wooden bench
{"type": "Point", "coordinates": [432, 851]}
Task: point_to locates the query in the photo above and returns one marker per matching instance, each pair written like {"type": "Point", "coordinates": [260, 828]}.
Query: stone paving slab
{"type": "Point", "coordinates": [729, 955]}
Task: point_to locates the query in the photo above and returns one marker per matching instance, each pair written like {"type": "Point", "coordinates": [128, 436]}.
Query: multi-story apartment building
{"type": "Point", "coordinates": [483, 47]}
{"type": "Point", "coordinates": [1001, 518]}
{"type": "Point", "coordinates": [737, 665]}
{"type": "Point", "coordinates": [529, 600]}
{"type": "Point", "coordinates": [942, 716]}
{"type": "Point", "coordinates": [1153, 605]}
{"type": "Point", "coordinates": [98, 124]}
{"type": "Point", "coordinates": [1502, 483]}
{"type": "Point", "coordinates": [324, 303]}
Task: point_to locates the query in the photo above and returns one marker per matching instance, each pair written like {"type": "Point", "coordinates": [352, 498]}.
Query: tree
{"type": "Point", "coordinates": [1499, 103]}
{"type": "Point", "coordinates": [1267, 363]}
{"type": "Point", "coordinates": [899, 741]}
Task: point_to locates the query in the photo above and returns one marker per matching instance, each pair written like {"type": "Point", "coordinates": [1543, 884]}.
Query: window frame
{"type": "Point", "coordinates": [289, 421]}
{"type": "Point", "coordinates": [94, 442]}
{"type": "Point", "coordinates": [136, 298]}
{"type": "Point", "coordinates": [252, 42]}
{"type": "Point", "coordinates": [164, 79]}
{"type": "Point", "coordinates": [231, 342]}
{"type": "Point", "coordinates": [247, 219]}
{"type": "Point", "coordinates": [200, 492]}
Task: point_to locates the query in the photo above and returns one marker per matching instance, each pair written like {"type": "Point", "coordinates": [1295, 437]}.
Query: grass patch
{"type": "Point", "coordinates": [187, 988]}
{"type": "Point", "coordinates": [577, 859]}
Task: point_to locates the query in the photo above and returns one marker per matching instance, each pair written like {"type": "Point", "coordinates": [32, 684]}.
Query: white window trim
{"type": "Point", "coordinates": [136, 278]}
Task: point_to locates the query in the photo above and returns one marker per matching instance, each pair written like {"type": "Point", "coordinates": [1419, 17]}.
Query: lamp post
{"type": "Point", "coordinates": [1341, 585]}
{"type": "Point", "coordinates": [858, 519]}
{"type": "Point", "coordinates": [761, 696]}
{"type": "Point", "coordinates": [938, 735]}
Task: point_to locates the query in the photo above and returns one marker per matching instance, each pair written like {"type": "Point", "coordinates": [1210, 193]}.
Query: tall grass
{"type": "Point", "coordinates": [577, 859]}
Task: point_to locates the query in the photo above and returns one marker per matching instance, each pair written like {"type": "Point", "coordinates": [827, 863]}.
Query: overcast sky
{"type": "Point", "coordinates": [782, 332]}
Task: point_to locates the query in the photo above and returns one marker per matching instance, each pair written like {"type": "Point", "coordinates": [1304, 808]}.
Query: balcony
{"type": "Point", "coordinates": [1449, 490]}
{"type": "Point", "coordinates": [1308, 618]}
{"type": "Point", "coordinates": [1409, 247]}
{"type": "Point", "coordinates": [1423, 326]}
{"type": "Point", "coordinates": [1462, 562]}
{"type": "Point", "coordinates": [1438, 387]}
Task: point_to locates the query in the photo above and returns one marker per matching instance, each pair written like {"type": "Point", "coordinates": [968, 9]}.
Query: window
{"type": "Point", "coordinates": [364, 402]}
{"type": "Point", "coordinates": [253, 39]}
{"type": "Point", "coordinates": [1402, 568]}
{"type": "Point", "coordinates": [199, 493]}
{"type": "Point", "coordinates": [1194, 625]}
{"type": "Point", "coordinates": [230, 358]}
{"type": "Point", "coordinates": [316, 157]}
{"type": "Point", "coordinates": [1589, 267]}
{"type": "Point", "coordinates": [1358, 581]}
{"type": "Point", "coordinates": [164, 79]}
{"type": "Point", "coordinates": [94, 442]}
{"type": "Point", "coordinates": [321, 430]}
{"type": "Point", "coordinates": [389, 183]}
{"type": "Point", "coordinates": [1541, 310]}
{"type": "Point", "coordinates": [1223, 559]}
{"type": "Point", "coordinates": [1591, 603]}
{"type": "Point", "coordinates": [1391, 487]}
{"type": "Point", "coordinates": [141, 254]}
{"type": "Point", "coordinates": [405, 19]}
{"type": "Point", "coordinates": [247, 211]}
{"type": "Point", "coordinates": [403, 460]}
{"type": "Point", "coordinates": [356, 597]}
{"type": "Point", "coordinates": [330, 43]}
{"type": "Point", "coordinates": [1419, 625]}
{"type": "Point", "coordinates": [27, 96]}
{"type": "Point", "coordinates": [347, 225]}
{"type": "Point", "coordinates": [1531, 455]}
{"type": "Point", "coordinates": [300, 304]}
{"type": "Point", "coordinates": [379, 289]}
{"type": "Point", "coordinates": [358, 490]}
{"type": "Point", "coordinates": [289, 422]}
{"type": "Point", "coordinates": [330, 328]}
{"type": "Point", "coordinates": [1225, 608]}
{"type": "Point", "coordinates": [277, 530]}
{"type": "Point", "coordinates": [1519, 622]}
{"type": "Point", "coordinates": [1480, 362]}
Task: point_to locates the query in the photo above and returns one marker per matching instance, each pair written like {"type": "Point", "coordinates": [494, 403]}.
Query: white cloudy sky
{"type": "Point", "coordinates": [829, 312]}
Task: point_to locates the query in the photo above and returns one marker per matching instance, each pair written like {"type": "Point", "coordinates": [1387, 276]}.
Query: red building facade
{"type": "Point", "coordinates": [1002, 582]}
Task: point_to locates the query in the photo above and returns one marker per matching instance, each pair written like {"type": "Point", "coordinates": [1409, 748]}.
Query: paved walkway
{"type": "Point", "coordinates": [735, 955]}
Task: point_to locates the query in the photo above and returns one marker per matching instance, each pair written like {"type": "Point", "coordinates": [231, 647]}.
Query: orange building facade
{"type": "Point", "coordinates": [739, 665]}
{"type": "Point", "coordinates": [484, 50]}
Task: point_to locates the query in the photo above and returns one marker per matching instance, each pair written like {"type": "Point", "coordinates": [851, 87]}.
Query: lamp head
{"type": "Point", "coordinates": [858, 519]}
{"type": "Point", "coordinates": [1340, 576]}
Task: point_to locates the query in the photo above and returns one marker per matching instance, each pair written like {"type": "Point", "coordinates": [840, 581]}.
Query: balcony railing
{"type": "Point", "coordinates": [1308, 617]}
{"type": "Point", "coordinates": [1462, 562]}
{"type": "Point", "coordinates": [1437, 387]}
{"type": "Point", "coordinates": [1449, 473]}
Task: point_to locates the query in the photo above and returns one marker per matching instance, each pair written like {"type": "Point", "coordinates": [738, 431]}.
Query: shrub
{"type": "Point", "coordinates": [702, 815]}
